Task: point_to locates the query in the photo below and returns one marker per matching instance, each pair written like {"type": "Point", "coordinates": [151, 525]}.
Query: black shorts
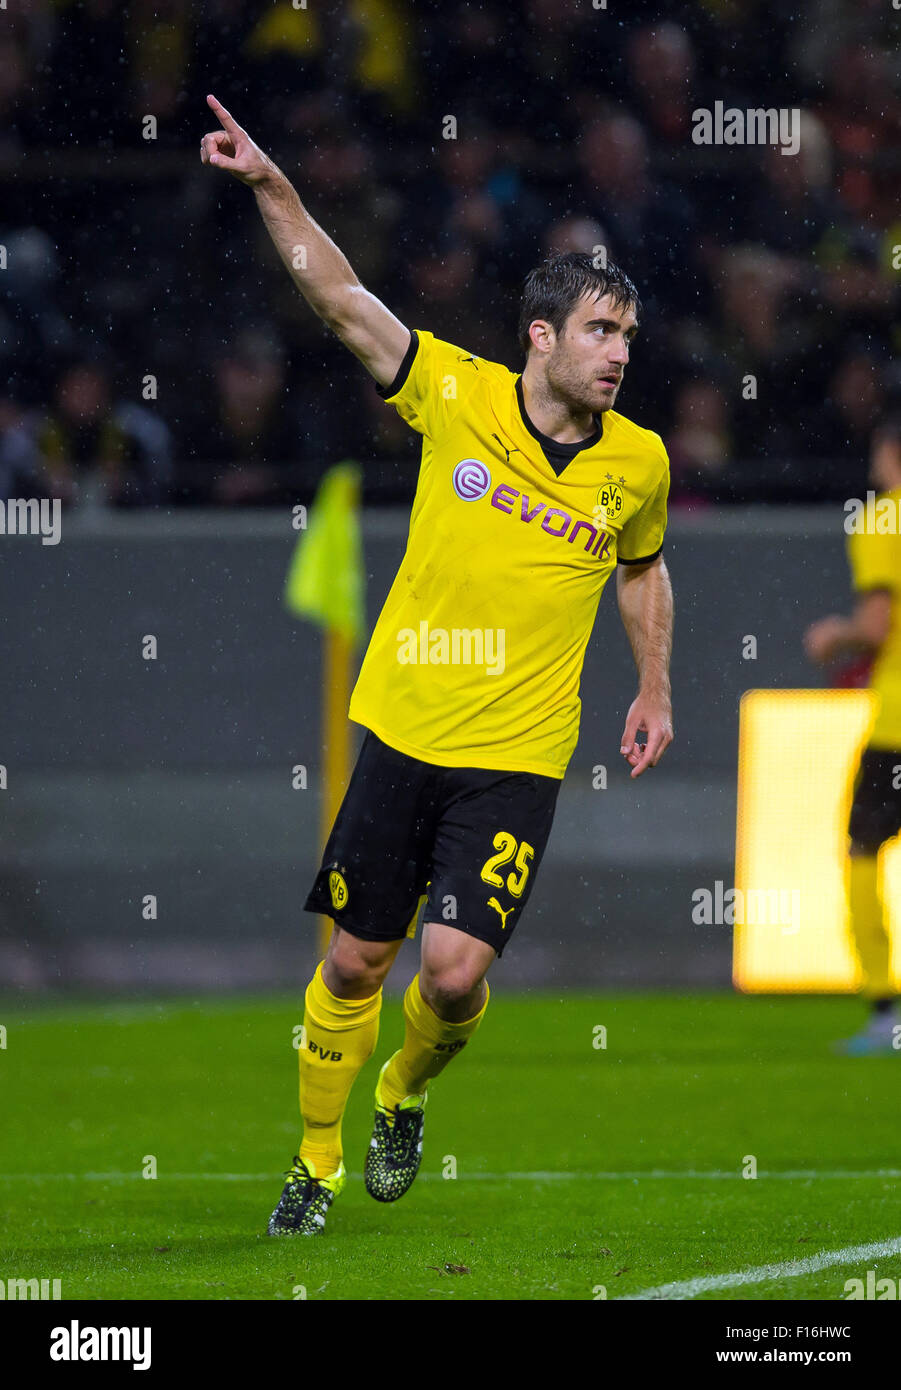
{"type": "Point", "coordinates": [876, 805]}
{"type": "Point", "coordinates": [468, 839]}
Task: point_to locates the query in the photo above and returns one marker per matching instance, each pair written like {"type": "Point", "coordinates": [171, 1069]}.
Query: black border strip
{"type": "Point", "coordinates": [645, 559]}
{"type": "Point", "coordinates": [403, 370]}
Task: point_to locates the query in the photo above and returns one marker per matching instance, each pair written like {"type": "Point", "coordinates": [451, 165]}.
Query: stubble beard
{"type": "Point", "coordinates": [574, 390]}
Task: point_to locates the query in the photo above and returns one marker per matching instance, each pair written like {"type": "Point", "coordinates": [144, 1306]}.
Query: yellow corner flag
{"type": "Point", "coordinates": [325, 579]}
{"type": "Point", "coordinates": [326, 584]}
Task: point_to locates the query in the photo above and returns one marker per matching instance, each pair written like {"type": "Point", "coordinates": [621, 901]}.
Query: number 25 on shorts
{"type": "Point", "coordinates": [506, 846]}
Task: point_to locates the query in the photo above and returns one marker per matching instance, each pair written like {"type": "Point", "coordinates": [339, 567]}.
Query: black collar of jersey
{"type": "Point", "coordinates": [558, 455]}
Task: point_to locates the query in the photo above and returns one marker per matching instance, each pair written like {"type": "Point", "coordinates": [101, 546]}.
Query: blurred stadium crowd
{"type": "Point", "coordinates": [154, 351]}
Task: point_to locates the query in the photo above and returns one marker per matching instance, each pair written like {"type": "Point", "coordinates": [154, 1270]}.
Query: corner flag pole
{"type": "Point", "coordinates": [336, 682]}
{"type": "Point", "coordinates": [326, 584]}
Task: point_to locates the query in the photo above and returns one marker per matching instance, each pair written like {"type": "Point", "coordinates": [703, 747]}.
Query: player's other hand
{"type": "Point", "coordinates": [822, 638]}
{"type": "Point", "coordinates": [232, 149]}
{"type": "Point", "coordinates": [651, 715]}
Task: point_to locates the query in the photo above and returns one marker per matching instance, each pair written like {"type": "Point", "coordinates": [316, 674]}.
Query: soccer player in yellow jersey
{"type": "Point", "coordinates": [532, 490]}
{"type": "Point", "coordinates": [874, 629]}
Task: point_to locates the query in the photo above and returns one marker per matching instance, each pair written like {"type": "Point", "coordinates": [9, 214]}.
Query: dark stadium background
{"type": "Point", "coordinates": [127, 260]}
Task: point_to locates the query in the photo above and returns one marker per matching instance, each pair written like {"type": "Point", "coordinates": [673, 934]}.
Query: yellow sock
{"type": "Point", "coordinates": [339, 1037]}
{"type": "Point", "coordinates": [868, 927]}
{"type": "Point", "coordinates": [429, 1044]}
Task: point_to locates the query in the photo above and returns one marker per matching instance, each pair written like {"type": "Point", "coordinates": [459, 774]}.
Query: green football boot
{"type": "Point", "coordinates": [395, 1149]}
{"type": "Point", "coordinates": [305, 1200]}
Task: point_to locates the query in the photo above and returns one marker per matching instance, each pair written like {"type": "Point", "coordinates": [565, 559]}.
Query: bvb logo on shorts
{"type": "Point", "coordinates": [610, 500]}
{"type": "Point", "coordinates": [338, 889]}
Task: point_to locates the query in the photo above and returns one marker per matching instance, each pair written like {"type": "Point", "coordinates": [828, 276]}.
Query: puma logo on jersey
{"type": "Point", "coordinates": [493, 902]}
{"type": "Point", "coordinates": [507, 451]}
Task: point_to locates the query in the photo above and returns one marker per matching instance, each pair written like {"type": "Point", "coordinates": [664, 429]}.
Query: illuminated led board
{"type": "Point", "coordinates": [797, 755]}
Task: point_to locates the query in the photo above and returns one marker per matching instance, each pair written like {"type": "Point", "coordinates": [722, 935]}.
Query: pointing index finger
{"type": "Point", "coordinates": [228, 123]}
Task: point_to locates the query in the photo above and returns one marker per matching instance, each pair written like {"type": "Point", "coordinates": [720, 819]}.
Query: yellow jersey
{"type": "Point", "coordinates": [476, 658]}
{"type": "Point", "coordinates": [875, 560]}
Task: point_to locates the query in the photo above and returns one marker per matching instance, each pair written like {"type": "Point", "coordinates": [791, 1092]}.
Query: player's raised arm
{"type": "Point", "coordinates": [318, 268]}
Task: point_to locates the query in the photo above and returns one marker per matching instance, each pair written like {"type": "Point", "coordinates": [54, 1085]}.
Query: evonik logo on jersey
{"type": "Point", "coordinates": [472, 482]}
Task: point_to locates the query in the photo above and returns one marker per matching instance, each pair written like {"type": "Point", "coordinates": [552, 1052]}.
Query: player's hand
{"type": "Point", "coordinates": [651, 715]}
{"type": "Point", "coordinates": [232, 149]}
{"type": "Point", "coordinates": [823, 638]}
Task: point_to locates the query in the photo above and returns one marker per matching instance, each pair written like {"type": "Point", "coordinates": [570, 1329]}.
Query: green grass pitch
{"type": "Point", "coordinates": [577, 1167]}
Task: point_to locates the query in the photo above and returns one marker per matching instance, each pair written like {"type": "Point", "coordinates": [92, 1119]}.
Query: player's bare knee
{"type": "Point", "coordinates": [449, 987]}
{"type": "Point", "coordinates": [353, 968]}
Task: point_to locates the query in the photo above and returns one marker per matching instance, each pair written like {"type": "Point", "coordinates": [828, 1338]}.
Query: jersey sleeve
{"type": "Point", "coordinates": [873, 561]}
{"type": "Point", "coordinates": [431, 384]}
{"type": "Point", "coordinates": [641, 539]}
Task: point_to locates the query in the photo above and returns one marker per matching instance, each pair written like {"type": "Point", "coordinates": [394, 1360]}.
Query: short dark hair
{"type": "Point", "coordinates": [552, 290]}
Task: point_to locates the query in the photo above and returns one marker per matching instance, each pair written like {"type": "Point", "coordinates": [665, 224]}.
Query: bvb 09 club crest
{"type": "Point", "coordinates": [338, 889]}
{"type": "Point", "coordinates": [610, 501]}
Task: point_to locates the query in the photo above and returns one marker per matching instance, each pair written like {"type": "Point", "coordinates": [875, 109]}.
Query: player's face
{"type": "Point", "coordinates": [590, 356]}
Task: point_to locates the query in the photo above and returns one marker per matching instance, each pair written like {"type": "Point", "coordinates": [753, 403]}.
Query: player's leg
{"type": "Point", "coordinates": [443, 1007]}
{"type": "Point", "coordinates": [875, 818]}
{"type": "Point", "coordinates": [490, 838]}
{"type": "Point", "coordinates": [873, 947]}
{"type": "Point", "coordinates": [871, 936]}
{"type": "Point", "coordinates": [340, 1031]}
{"type": "Point", "coordinates": [372, 873]}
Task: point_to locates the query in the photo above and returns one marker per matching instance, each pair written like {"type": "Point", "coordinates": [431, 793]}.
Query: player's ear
{"type": "Point", "coordinates": [542, 335]}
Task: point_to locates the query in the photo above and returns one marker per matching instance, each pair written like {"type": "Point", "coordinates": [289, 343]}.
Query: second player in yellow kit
{"type": "Point", "coordinates": [873, 630]}
{"type": "Point", "coordinates": [875, 561]}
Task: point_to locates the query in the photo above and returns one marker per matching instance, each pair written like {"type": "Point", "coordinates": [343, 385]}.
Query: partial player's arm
{"type": "Point", "coordinates": [318, 268]}
{"type": "Point", "coordinates": [864, 631]}
{"type": "Point", "coordinates": [645, 599]}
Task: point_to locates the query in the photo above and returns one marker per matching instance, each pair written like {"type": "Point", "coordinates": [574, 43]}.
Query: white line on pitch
{"type": "Point", "coordinates": [653, 1174]}
{"type": "Point", "coordinates": [765, 1274]}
